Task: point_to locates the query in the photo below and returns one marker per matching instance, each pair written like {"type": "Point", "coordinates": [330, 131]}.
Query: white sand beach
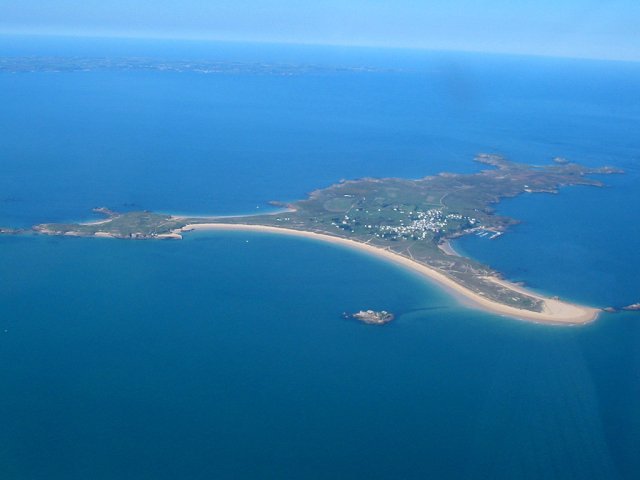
{"type": "Point", "coordinates": [555, 311]}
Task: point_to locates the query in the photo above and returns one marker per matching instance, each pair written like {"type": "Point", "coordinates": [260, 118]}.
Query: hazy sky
{"type": "Point", "coordinates": [582, 28]}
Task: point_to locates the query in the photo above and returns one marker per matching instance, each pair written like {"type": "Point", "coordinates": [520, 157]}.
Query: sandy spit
{"type": "Point", "coordinates": [555, 312]}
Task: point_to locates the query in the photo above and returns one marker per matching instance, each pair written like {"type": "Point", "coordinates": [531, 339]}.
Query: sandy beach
{"type": "Point", "coordinates": [446, 247]}
{"type": "Point", "coordinates": [555, 312]}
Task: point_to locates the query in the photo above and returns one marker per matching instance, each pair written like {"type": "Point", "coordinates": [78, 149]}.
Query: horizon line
{"type": "Point", "coordinates": [310, 43]}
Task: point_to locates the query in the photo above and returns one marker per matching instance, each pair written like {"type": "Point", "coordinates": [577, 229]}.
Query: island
{"type": "Point", "coordinates": [407, 221]}
{"type": "Point", "coordinates": [371, 317]}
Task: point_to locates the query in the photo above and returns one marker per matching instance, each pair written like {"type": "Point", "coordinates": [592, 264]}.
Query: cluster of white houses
{"type": "Point", "coordinates": [420, 225]}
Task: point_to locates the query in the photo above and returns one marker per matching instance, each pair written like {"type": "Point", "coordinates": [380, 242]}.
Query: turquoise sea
{"type": "Point", "coordinates": [224, 356]}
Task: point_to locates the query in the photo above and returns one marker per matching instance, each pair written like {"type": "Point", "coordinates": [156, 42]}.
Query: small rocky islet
{"type": "Point", "coordinates": [371, 317]}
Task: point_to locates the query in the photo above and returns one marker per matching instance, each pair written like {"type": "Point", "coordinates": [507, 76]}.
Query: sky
{"type": "Point", "coordinates": [606, 29]}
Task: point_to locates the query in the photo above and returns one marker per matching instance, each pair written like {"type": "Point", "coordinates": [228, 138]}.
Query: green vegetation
{"type": "Point", "coordinates": [118, 225]}
{"type": "Point", "coordinates": [412, 218]}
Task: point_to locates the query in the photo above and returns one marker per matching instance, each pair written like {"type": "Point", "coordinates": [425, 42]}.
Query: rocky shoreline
{"type": "Point", "coordinates": [371, 317]}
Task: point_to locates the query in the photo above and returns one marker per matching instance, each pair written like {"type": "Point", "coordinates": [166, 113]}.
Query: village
{"type": "Point", "coordinates": [409, 225]}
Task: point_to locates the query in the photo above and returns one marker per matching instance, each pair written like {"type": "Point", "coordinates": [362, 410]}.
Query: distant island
{"type": "Point", "coordinates": [69, 64]}
{"type": "Point", "coordinates": [409, 222]}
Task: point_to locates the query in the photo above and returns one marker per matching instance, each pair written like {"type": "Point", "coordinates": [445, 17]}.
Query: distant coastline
{"type": "Point", "coordinates": [555, 312]}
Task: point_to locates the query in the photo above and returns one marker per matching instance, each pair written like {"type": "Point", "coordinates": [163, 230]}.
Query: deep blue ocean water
{"type": "Point", "coordinates": [224, 355]}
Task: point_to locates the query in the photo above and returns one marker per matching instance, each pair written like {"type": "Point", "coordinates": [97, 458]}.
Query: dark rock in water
{"type": "Point", "coordinates": [610, 309]}
{"type": "Point", "coordinates": [634, 307]}
{"type": "Point", "coordinates": [371, 317]}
